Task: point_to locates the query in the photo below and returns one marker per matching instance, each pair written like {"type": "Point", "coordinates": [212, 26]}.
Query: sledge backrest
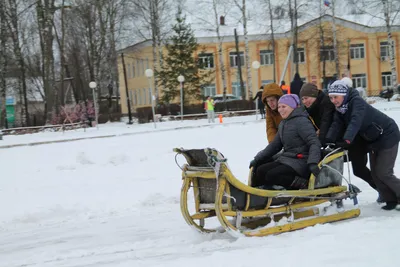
{"type": "Point", "coordinates": [331, 172]}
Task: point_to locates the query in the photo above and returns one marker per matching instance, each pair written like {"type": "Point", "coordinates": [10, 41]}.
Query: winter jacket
{"type": "Point", "coordinates": [297, 137]}
{"type": "Point", "coordinates": [321, 113]}
{"type": "Point", "coordinates": [296, 84]}
{"type": "Point", "coordinates": [376, 128]}
{"type": "Point", "coordinates": [259, 99]}
{"type": "Point", "coordinates": [272, 118]}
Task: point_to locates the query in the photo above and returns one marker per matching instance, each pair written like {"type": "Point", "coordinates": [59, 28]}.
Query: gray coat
{"type": "Point", "coordinates": [301, 146]}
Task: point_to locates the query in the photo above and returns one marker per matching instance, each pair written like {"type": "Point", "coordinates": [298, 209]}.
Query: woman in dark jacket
{"type": "Point", "coordinates": [296, 85]}
{"type": "Point", "coordinates": [321, 111]}
{"type": "Point", "coordinates": [301, 148]}
{"type": "Point", "coordinates": [380, 133]}
{"type": "Point", "coordinates": [319, 107]}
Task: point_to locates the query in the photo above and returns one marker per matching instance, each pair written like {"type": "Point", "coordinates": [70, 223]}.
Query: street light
{"type": "Point", "coordinates": [181, 79]}
{"type": "Point", "coordinates": [256, 65]}
{"type": "Point", "coordinates": [149, 73]}
{"type": "Point", "coordinates": [93, 86]}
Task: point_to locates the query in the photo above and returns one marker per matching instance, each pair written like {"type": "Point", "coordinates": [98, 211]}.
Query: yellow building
{"type": "Point", "coordinates": [364, 47]}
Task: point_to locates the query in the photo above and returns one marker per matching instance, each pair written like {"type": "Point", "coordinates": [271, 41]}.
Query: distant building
{"type": "Point", "coordinates": [364, 47]}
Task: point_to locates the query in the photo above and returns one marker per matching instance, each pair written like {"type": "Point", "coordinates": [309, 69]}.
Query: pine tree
{"type": "Point", "coordinates": [180, 60]}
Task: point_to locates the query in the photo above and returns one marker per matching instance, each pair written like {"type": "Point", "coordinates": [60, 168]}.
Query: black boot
{"type": "Point", "coordinates": [391, 205]}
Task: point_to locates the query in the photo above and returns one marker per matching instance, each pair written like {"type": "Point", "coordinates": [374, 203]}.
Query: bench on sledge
{"type": "Point", "coordinates": [245, 210]}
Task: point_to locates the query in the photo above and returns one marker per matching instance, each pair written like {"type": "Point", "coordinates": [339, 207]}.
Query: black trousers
{"type": "Point", "coordinates": [274, 173]}
{"type": "Point", "coordinates": [358, 154]}
{"type": "Point", "coordinates": [382, 164]}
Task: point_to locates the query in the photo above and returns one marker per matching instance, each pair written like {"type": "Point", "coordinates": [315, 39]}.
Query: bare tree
{"type": "Point", "coordinates": [45, 14]}
{"type": "Point", "coordinates": [271, 18]}
{"type": "Point", "coordinates": [13, 23]}
{"type": "Point", "coordinates": [249, 86]}
{"type": "Point", "coordinates": [3, 64]}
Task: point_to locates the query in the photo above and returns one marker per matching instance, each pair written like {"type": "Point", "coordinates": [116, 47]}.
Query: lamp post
{"type": "Point", "coordinates": [149, 73]}
{"type": "Point", "coordinates": [181, 79]}
{"type": "Point", "coordinates": [93, 86]}
{"type": "Point", "coordinates": [256, 65]}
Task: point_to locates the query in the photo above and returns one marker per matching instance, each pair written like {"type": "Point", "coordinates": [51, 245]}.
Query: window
{"type": "Point", "coordinates": [206, 60]}
{"type": "Point", "coordinates": [359, 80]}
{"type": "Point", "coordinates": [266, 57]}
{"type": "Point", "coordinates": [150, 95]}
{"type": "Point", "coordinates": [138, 67]}
{"type": "Point", "coordinates": [144, 95]}
{"type": "Point", "coordinates": [386, 79]}
{"type": "Point", "coordinates": [133, 70]}
{"type": "Point", "coordinates": [128, 72]}
{"type": "Point", "coordinates": [301, 56]}
{"type": "Point", "coordinates": [135, 101]}
{"type": "Point", "coordinates": [131, 97]}
{"type": "Point", "coordinates": [327, 53]}
{"type": "Point", "coordinates": [384, 51]}
{"type": "Point", "coordinates": [357, 51]}
{"type": "Point", "coordinates": [139, 96]}
{"type": "Point", "coordinates": [234, 60]}
{"type": "Point", "coordinates": [236, 89]}
{"type": "Point", "coordinates": [147, 63]}
{"type": "Point", "coordinates": [142, 65]}
{"type": "Point", "coordinates": [264, 82]}
{"type": "Point", "coordinates": [209, 90]}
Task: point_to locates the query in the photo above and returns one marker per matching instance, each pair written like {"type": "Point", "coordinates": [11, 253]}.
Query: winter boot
{"type": "Point", "coordinates": [380, 199]}
{"type": "Point", "coordinates": [390, 205]}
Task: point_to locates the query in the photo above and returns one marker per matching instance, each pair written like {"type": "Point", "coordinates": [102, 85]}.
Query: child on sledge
{"type": "Point", "coordinates": [270, 97]}
{"type": "Point", "coordinates": [379, 132]}
{"type": "Point", "coordinates": [301, 148]}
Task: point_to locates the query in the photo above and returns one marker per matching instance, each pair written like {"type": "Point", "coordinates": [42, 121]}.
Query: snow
{"type": "Point", "coordinates": [115, 202]}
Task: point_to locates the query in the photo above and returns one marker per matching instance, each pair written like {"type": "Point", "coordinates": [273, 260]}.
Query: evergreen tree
{"type": "Point", "coordinates": [180, 60]}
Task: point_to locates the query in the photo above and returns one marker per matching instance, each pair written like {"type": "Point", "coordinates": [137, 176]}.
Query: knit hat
{"type": "Point", "coordinates": [292, 101]}
{"type": "Point", "coordinates": [309, 89]}
{"type": "Point", "coordinates": [338, 88]}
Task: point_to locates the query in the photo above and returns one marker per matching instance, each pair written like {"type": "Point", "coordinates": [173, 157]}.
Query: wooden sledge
{"type": "Point", "coordinates": [245, 210]}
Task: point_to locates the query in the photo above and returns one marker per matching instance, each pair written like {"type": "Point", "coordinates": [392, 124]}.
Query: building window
{"type": "Point", "coordinates": [386, 79]}
{"type": "Point", "coordinates": [384, 47]}
{"type": "Point", "coordinates": [139, 96]}
{"type": "Point", "coordinates": [301, 55]}
{"type": "Point", "coordinates": [236, 89]}
{"type": "Point", "coordinates": [234, 60]}
{"type": "Point", "coordinates": [150, 96]}
{"type": "Point", "coordinates": [327, 53]}
{"type": "Point", "coordinates": [128, 73]}
{"type": "Point", "coordinates": [131, 96]}
{"type": "Point", "coordinates": [209, 90]}
{"type": "Point", "coordinates": [144, 95]}
{"type": "Point", "coordinates": [138, 67]}
{"type": "Point", "coordinates": [266, 57]}
{"type": "Point", "coordinates": [135, 98]}
{"type": "Point", "coordinates": [357, 51]}
{"type": "Point", "coordinates": [359, 80]}
{"type": "Point", "coordinates": [147, 63]}
{"type": "Point", "coordinates": [133, 70]}
{"type": "Point", "coordinates": [206, 60]}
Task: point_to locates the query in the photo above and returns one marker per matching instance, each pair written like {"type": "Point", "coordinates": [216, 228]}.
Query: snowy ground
{"type": "Point", "coordinates": [115, 202]}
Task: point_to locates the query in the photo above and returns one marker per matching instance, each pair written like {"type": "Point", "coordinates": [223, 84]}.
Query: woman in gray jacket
{"type": "Point", "coordinates": [301, 148]}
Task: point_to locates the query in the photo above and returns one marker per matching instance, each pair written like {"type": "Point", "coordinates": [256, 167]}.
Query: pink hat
{"type": "Point", "coordinates": [292, 101]}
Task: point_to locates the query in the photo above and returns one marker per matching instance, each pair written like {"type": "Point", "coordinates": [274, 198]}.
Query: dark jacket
{"type": "Point", "coordinates": [376, 128]}
{"type": "Point", "coordinates": [272, 118]}
{"type": "Point", "coordinates": [321, 112]}
{"type": "Point", "coordinates": [296, 84]}
{"type": "Point", "coordinates": [297, 136]}
{"type": "Point", "coordinates": [259, 99]}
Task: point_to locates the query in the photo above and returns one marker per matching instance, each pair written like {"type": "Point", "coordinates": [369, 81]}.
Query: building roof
{"type": "Point", "coordinates": [282, 30]}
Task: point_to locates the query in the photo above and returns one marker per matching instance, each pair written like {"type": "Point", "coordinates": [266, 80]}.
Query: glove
{"type": "Point", "coordinates": [345, 144]}
{"type": "Point", "coordinates": [253, 164]}
{"type": "Point", "coordinates": [314, 169]}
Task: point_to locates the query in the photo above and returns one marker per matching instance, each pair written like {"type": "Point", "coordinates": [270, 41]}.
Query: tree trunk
{"type": "Point", "coordinates": [14, 30]}
{"type": "Point", "coordinates": [249, 85]}
{"type": "Point", "coordinates": [220, 53]}
{"type": "Point", "coordinates": [272, 39]}
{"type": "Point", "coordinates": [390, 45]}
{"type": "Point", "coordinates": [335, 46]}
{"type": "Point", "coordinates": [3, 65]}
{"type": "Point", "coordinates": [322, 44]}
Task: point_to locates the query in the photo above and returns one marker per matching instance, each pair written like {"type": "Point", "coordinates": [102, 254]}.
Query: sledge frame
{"type": "Point", "coordinates": [299, 207]}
